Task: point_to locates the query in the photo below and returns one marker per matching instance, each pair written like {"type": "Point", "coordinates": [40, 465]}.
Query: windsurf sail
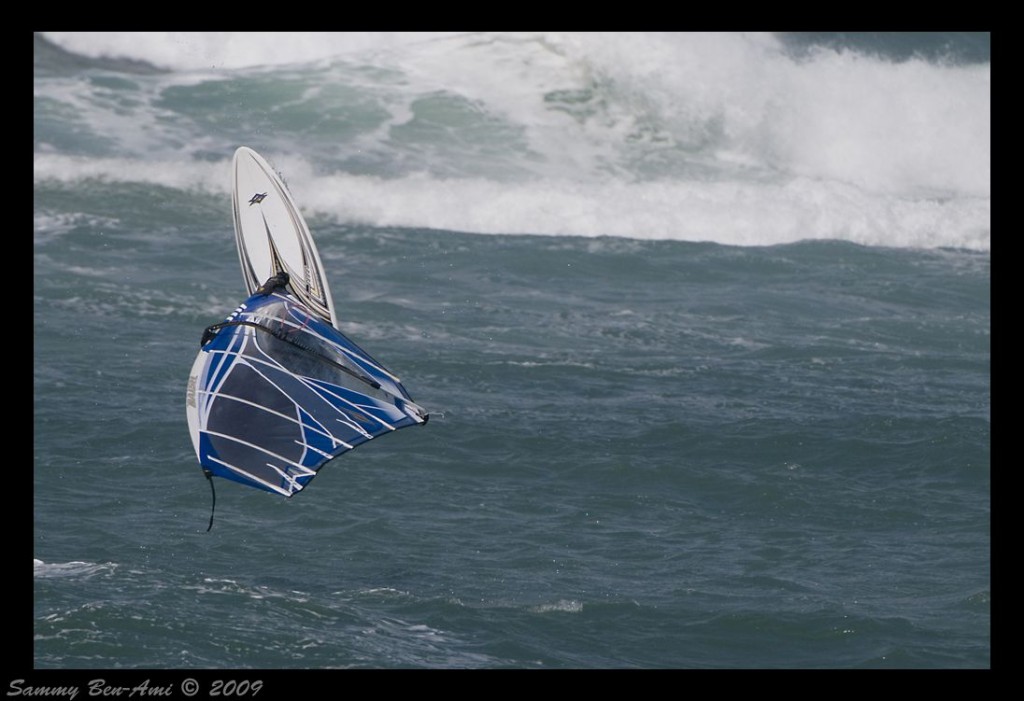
{"type": "Point", "coordinates": [276, 392]}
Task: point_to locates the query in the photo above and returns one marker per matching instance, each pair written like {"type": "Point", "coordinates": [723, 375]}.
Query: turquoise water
{"type": "Point", "coordinates": [710, 402]}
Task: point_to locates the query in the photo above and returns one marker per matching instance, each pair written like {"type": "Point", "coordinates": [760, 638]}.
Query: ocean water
{"type": "Point", "coordinates": [702, 321]}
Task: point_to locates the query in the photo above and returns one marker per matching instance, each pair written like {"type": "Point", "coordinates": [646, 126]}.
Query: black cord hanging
{"type": "Point", "coordinates": [209, 477]}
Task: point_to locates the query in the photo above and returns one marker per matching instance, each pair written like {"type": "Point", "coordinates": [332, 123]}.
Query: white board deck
{"type": "Point", "coordinates": [272, 235]}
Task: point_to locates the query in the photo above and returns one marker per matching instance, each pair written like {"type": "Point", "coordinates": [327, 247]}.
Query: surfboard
{"type": "Point", "coordinates": [272, 236]}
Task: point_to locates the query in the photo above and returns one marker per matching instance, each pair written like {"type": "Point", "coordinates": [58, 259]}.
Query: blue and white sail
{"type": "Point", "coordinates": [276, 392]}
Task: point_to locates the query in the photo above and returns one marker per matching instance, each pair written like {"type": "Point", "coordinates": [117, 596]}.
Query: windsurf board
{"type": "Point", "coordinates": [272, 236]}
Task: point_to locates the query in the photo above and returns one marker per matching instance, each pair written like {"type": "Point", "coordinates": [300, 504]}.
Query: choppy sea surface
{"type": "Point", "coordinates": [702, 321]}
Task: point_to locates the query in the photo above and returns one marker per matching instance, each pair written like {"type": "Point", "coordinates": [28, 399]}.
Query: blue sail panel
{"type": "Point", "coordinates": [276, 393]}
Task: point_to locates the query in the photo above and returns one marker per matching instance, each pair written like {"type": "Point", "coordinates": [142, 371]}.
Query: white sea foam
{"type": "Point", "coordinates": [74, 568]}
{"type": "Point", "coordinates": [717, 137]}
